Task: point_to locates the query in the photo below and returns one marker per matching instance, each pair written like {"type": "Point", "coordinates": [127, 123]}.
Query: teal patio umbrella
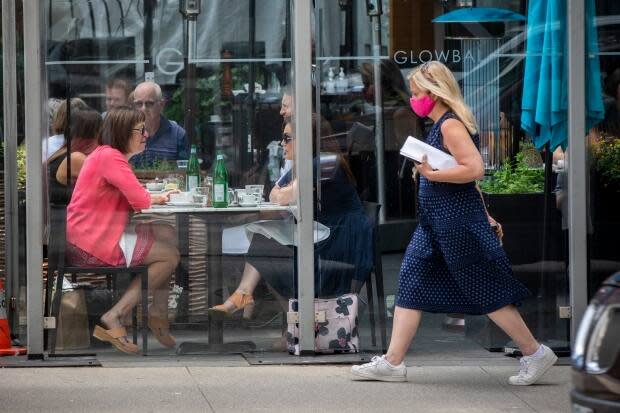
{"type": "Point", "coordinates": [478, 15]}
{"type": "Point", "coordinates": [545, 86]}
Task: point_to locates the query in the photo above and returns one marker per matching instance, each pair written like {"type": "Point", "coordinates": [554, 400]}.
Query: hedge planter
{"type": "Point", "coordinates": [522, 216]}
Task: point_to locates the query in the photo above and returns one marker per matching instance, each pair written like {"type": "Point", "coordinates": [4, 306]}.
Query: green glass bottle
{"type": "Point", "coordinates": [220, 183]}
{"type": "Point", "coordinates": [193, 170]}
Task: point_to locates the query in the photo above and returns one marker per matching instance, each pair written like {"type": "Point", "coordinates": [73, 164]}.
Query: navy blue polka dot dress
{"type": "Point", "coordinates": [454, 262]}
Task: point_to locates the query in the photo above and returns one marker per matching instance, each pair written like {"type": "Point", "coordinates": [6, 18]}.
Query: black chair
{"type": "Point", "coordinates": [57, 270]}
{"type": "Point", "coordinates": [371, 210]}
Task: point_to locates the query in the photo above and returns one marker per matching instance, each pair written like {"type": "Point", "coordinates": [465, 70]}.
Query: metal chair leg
{"type": "Point", "coordinates": [144, 281]}
{"type": "Point", "coordinates": [371, 309]}
{"type": "Point", "coordinates": [134, 324]}
{"type": "Point", "coordinates": [56, 311]}
{"type": "Point", "coordinates": [381, 299]}
{"type": "Point", "coordinates": [49, 287]}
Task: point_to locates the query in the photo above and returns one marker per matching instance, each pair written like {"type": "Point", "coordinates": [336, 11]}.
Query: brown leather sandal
{"type": "Point", "coordinates": [157, 326]}
{"type": "Point", "coordinates": [114, 336]}
{"type": "Point", "coordinates": [241, 301]}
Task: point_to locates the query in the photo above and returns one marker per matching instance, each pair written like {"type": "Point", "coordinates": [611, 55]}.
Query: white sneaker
{"type": "Point", "coordinates": [532, 368]}
{"type": "Point", "coordinates": [379, 369]}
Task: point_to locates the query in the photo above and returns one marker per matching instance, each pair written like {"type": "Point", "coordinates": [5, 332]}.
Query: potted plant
{"type": "Point", "coordinates": [604, 196]}
{"type": "Point", "coordinates": [514, 197]}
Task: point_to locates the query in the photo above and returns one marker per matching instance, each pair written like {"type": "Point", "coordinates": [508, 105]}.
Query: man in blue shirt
{"type": "Point", "coordinates": [167, 140]}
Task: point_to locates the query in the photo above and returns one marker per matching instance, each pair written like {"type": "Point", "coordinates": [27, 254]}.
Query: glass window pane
{"type": "Point", "coordinates": [362, 92]}
{"type": "Point", "coordinates": [603, 144]}
{"type": "Point", "coordinates": [187, 107]}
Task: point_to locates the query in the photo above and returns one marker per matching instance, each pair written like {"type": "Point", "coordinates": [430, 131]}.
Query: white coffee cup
{"type": "Point", "coordinates": [247, 199]}
{"type": "Point", "coordinates": [180, 197]}
{"type": "Point", "coordinates": [255, 189]}
{"type": "Point", "coordinates": [155, 186]}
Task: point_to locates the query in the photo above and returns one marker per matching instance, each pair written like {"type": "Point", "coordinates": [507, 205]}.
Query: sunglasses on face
{"type": "Point", "coordinates": [286, 138]}
{"type": "Point", "coordinates": [142, 130]}
{"type": "Point", "coordinates": [147, 104]}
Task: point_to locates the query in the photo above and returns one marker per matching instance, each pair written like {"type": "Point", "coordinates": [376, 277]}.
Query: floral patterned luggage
{"type": "Point", "coordinates": [335, 328]}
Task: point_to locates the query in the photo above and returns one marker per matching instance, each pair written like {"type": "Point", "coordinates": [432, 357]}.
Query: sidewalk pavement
{"type": "Point", "coordinates": [234, 387]}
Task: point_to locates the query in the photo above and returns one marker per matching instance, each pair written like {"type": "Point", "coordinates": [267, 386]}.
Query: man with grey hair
{"type": "Point", "coordinates": [167, 140]}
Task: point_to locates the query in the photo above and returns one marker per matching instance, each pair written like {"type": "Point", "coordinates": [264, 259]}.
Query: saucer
{"type": "Point", "coordinates": [250, 204]}
{"type": "Point", "coordinates": [181, 203]}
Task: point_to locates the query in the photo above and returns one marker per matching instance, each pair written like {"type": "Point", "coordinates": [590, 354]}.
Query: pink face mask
{"type": "Point", "coordinates": [422, 106]}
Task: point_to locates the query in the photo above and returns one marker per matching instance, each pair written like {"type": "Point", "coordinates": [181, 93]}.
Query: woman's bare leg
{"type": "Point", "coordinates": [161, 260]}
{"type": "Point", "coordinates": [247, 285]}
{"type": "Point", "coordinates": [508, 319]}
{"type": "Point", "coordinates": [405, 325]}
{"type": "Point", "coordinates": [165, 234]}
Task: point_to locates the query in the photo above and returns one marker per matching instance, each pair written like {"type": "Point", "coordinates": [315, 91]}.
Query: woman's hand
{"type": "Point", "coordinates": [283, 195]}
{"type": "Point", "coordinates": [424, 169]}
{"type": "Point", "coordinates": [496, 226]}
{"type": "Point", "coordinates": [161, 199]}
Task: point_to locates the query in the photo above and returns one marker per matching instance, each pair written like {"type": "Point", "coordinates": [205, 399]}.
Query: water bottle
{"type": "Point", "coordinates": [193, 170]}
{"type": "Point", "coordinates": [220, 183]}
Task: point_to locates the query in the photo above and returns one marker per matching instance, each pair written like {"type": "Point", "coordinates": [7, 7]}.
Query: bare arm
{"type": "Point", "coordinates": [284, 195]}
{"type": "Point", "coordinates": [77, 160]}
{"type": "Point", "coordinates": [457, 140]}
{"type": "Point", "coordinates": [160, 199]}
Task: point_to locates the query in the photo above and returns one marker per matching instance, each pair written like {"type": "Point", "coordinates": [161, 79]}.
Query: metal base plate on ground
{"type": "Point", "coordinates": [279, 358]}
{"type": "Point", "coordinates": [50, 361]}
{"type": "Point", "coordinates": [236, 347]}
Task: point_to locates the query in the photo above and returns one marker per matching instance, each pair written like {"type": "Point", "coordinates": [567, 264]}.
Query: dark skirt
{"type": "Point", "coordinates": [345, 255]}
{"type": "Point", "coordinates": [454, 262]}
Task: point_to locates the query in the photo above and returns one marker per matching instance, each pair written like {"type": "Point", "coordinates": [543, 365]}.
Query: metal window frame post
{"type": "Point", "coordinates": [11, 222]}
{"type": "Point", "coordinates": [302, 70]}
{"type": "Point", "coordinates": [379, 143]}
{"type": "Point", "coordinates": [577, 165]}
{"type": "Point", "coordinates": [35, 109]}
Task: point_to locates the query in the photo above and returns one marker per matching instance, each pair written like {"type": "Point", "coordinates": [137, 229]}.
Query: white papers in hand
{"type": "Point", "coordinates": [415, 149]}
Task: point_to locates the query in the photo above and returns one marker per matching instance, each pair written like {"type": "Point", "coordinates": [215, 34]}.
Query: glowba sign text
{"type": "Point", "coordinates": [446, 56]}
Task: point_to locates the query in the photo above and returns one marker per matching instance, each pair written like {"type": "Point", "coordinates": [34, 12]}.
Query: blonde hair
{"type": "Point", "coordinates": [437, 79]}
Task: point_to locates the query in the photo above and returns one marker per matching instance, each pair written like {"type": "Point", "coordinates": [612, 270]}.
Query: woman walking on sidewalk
{"type": "Point", "coordinates": [454, 262]}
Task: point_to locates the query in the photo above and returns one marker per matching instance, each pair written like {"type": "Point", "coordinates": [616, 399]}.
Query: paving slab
{"type": "Point", "coordinates": [437, 389]}
{"type": "Point", "coordinates": [549, 395]}
{"type": "Point", "coordinates": [330, 389]}
{"type": "Point", "coordinates": [81, 390]}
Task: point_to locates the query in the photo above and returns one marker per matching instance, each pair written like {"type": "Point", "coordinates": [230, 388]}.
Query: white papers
{"type": "Point", "coordinates": [235, 240]}
{"type": "Point", "coordinates": [415, 149]}
{"type": "Point", "coordinates": [283, 230]}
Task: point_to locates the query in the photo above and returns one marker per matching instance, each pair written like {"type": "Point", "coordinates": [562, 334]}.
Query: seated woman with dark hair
{"type": "Point", "coordinates": [84, 134]}
{"type": "Point", "coordinates": [349, 241]}
{"type": "Point", "coordinates": [99, 233]}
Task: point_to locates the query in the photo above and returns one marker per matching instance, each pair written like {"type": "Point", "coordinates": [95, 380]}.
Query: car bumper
{"type": "Point", "coordinates": [581, 402]}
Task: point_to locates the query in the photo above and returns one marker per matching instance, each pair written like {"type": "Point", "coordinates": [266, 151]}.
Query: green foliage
{"type": "Point", "coordinates": [208, 96]}
{"type": "Point", "coordinates": [21, 164]}
{"type": "Point", "coordinates": [607, 160]}
{"type": "Point", "coordinates": [158, 165]}
{"type": "Point", "coordinates": [531, 156]}
{"type": "Point", "coordinates": [519, 178]}
{"type": "Point", "coordinates": [21, 167]}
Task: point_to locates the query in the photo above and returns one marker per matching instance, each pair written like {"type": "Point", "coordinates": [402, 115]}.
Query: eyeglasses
{"type": "Point", "coordinates": [147, 104]}
{"type": "Point", "coordinates": [142, 130]}
{"type": "Point", "coordinates": [286, 138]}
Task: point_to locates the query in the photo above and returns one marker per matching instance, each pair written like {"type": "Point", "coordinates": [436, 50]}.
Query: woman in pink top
{"type": "Point", "coordinates": [99, 233]}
